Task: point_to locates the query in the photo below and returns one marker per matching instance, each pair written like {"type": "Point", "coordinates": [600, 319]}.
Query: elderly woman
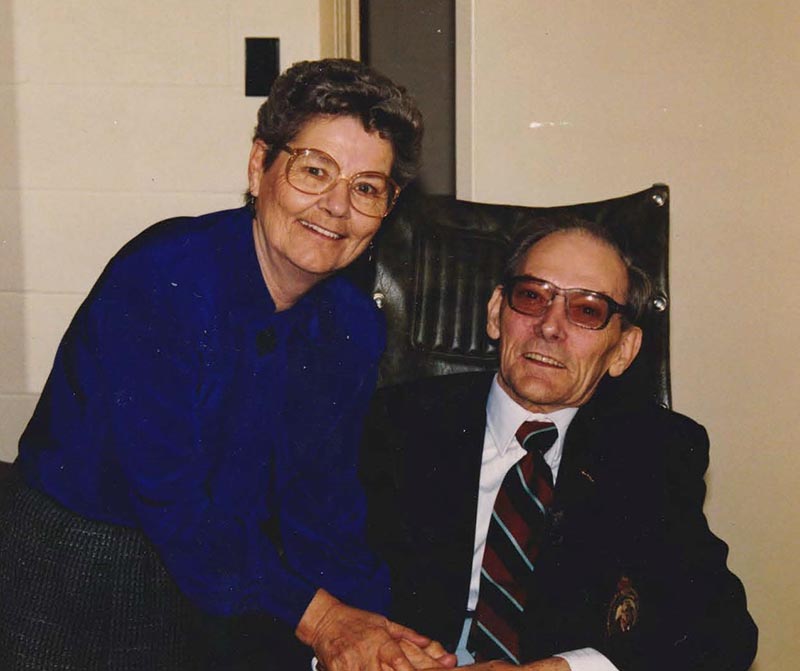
{"type": "Point", "coordinates": [187, 485]}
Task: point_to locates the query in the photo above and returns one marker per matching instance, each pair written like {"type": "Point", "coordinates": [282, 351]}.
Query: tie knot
{"type": "Point", "coordinates": [535, 435]}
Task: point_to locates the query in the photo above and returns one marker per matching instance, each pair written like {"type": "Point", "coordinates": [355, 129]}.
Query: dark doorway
{"type": "Point", "coordinates": [413, 42]}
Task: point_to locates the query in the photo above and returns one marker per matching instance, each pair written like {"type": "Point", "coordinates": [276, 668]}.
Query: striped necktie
{"type": "Point", "coordinates": [512, 545]}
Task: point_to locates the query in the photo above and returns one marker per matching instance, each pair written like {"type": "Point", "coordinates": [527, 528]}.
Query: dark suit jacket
{"type": "Point", "coordinates": [628, 565]}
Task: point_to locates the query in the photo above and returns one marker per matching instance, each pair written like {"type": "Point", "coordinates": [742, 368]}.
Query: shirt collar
{"type": "Point", "coordinates": [504, 416]}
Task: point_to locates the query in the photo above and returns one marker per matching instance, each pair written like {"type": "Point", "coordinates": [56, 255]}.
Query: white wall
{"type": "Point", "coordinates": [113, 115]}
{"type": "Point", "coordinates": [572, 101]}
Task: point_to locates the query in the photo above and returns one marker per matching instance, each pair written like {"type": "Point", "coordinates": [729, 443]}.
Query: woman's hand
{"type": "Point", "coordinates": [349, 639]}
{"type": "Point", "coordinates": [420, 657]}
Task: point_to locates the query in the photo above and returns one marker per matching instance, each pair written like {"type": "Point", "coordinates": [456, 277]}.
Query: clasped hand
{"type": "Point", "coordinates": [549, 664]}
{"type": "Point", "coordinates": [349, 639]}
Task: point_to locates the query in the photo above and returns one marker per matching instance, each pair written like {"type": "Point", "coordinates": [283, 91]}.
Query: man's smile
{"type": "Point", "coordinates": [541, 358]}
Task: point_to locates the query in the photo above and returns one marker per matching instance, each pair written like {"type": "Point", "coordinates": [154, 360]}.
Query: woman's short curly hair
{"type": "Point", "coordinates": [343, 87]}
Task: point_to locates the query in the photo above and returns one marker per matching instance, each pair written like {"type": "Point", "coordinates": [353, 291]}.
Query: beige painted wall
{"type": "Point", "coordinates": [562, 102]}
{"type": "Point", "coordinates": [113, 115]}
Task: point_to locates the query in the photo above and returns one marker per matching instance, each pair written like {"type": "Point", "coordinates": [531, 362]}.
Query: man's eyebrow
{"type": "Point", "coordinates": [538, 278]}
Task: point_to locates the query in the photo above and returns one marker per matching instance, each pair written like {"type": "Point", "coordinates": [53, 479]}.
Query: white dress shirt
{"type": "Point", "coordinates": [501, 451]}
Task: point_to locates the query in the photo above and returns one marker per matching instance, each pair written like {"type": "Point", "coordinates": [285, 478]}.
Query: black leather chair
{"type": "Point", "coordinates": [438, 259]}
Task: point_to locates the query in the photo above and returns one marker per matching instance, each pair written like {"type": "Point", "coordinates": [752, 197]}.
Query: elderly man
{"type": "Point", "coordinates": [534, 518]}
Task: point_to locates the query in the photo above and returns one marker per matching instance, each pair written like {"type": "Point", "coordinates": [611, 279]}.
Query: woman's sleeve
{"type": "Point", "coordinates": [323, 511]}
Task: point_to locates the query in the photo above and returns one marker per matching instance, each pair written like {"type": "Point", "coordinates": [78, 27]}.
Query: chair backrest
{"type": "Point", "coordinates": [438, 259]}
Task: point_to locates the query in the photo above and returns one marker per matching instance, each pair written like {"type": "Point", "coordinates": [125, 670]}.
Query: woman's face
{"type": "Point", "coordinates": [308, 237]}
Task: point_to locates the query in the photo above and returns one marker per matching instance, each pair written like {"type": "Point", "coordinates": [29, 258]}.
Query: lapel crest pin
{"type": "Point", "coordinates": [623, 612]}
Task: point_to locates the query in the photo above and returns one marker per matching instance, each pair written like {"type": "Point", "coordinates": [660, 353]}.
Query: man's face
{"type": "Point", "coordinates": [548, 363]}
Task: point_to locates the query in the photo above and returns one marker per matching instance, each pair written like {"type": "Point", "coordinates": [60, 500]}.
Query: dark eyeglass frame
{"type": "Point", "coordinates": [613, 306]}
{"type": "Point", "coordinates": [296, 152]}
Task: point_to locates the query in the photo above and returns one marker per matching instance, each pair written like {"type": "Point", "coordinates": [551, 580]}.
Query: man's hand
{"type": "Point", "coordinates": [349, 639]}
{"type": "Point", "coordinates": [549, 664]}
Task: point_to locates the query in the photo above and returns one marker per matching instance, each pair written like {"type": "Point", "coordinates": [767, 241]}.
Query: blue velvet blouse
{"type": "Point", "coordinates": [180, 403]}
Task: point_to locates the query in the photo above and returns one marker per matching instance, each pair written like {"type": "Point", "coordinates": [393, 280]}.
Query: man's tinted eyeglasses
{"type": "Point", "coordinates": [588, 309]}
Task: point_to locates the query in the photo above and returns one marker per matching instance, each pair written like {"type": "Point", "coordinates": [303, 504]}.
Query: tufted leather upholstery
{"type": "Point", "coordinates": [437, 260]}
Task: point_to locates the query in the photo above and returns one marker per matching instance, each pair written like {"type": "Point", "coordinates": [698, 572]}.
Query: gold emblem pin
{"type": "Point", "coordinates": [623, 612]}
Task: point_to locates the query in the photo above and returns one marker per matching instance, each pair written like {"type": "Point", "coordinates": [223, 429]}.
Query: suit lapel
{"type": "Point", "coordinates": [442, 490]}
{"type": "Point", "coordinates": [579, 469]}
{"type": "Point", "coordinates": [464, 439]}
{"type": "Point", "coordinates": [559, 607]}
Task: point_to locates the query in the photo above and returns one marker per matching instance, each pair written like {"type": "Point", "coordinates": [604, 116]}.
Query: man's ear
{"type": "Point", "coordinates": [255, 166]}
{"type": "Point", "coordinates": [627, 349]}
{"type": "Point", "coordinates": [493, 313]}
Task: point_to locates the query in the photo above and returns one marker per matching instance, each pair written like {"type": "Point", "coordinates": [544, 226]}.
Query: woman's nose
{"type": "Point", "coordinates": [337, 200]}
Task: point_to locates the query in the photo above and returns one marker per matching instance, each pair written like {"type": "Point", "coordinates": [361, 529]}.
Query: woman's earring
{"type": "Point", "coordinates": [370, 251]}
{"type": "Point", "coordinates": [251, 203]}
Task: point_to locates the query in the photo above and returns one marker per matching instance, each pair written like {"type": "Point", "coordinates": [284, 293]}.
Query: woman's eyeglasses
{"type": "Point", "coordinates": [314, 172]}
